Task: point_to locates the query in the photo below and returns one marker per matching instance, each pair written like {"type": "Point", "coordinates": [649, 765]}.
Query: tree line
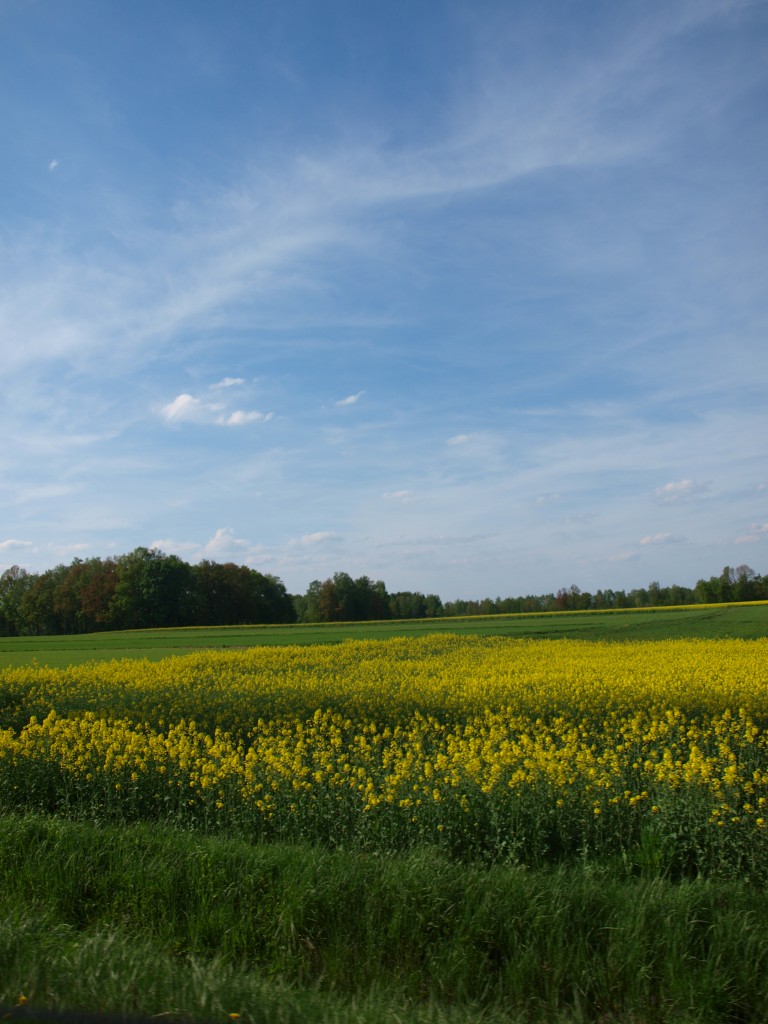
{"type": "Point", "coordinates": [147, 588]}
{"type": "Point", "coordinates": [140, 590]}
{"type": "Point", "coordinates": [342, 599]}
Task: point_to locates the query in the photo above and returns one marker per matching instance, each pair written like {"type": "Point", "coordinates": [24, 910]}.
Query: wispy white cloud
{"type": "Point", "coordinates": [241, 417]}
{"type": "Point", "coordinates": [53, 165]}
{"type": "Point", "coordinates": [318, 537]}
{"type": "Point", "coordinates": [244, 239]}
{"type": "Point", "coordinates": [188, 409]}
{"type": "Point", "coordinates": [404, 497]}
{"type": "Point", "coordinates": [350, 399]}
{"type": "Point", "coordinates": [683, 490]}
{"type": "Point", "coordinates": [661, 538]}
{"type": "Point", "coordinates": [223, 546]}
{"type": "Point", "coordinates": [758, 532]}
{"type": "Point", "coordinates": [13, 543]}
{"type": "Point", "coordinates": [62, 550]}
{"type": "Point", "coordinates": [623, 556]}
{"type": "Point", "coordinates": [228, 382]}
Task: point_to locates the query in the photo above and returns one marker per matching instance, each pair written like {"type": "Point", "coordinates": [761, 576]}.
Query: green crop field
{"type": "Point", "coordinates": [747, 621]}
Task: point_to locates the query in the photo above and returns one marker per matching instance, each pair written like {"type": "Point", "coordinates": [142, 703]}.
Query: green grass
{"type": "Point", "coordinates": [146, 920]}
{"type": "Point", "coordinates": [748, 621]}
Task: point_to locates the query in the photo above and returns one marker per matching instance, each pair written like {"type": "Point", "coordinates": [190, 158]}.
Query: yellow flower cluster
{"type": "Point", "coordinates": [479, 739]}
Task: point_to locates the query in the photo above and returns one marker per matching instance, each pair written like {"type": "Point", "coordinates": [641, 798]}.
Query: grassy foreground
{"type": "Point", "coordinates": [145, 920]}
{"type": "Point", "coordinates": [747, 621]}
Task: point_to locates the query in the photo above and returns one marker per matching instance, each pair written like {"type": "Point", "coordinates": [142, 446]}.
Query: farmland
{"type": "Point", "coordinates": [748, 620]}
{"type": "Point", "coordinates": [449, 827]}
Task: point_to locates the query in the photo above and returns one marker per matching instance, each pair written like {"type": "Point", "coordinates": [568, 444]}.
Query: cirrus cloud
{"type": "Point", "coordinates": [11, 543]}
{"type": "Point", "coordinates": [318, 537]}
{"type": "Point", "coordinates": [683, 490]}
{"type": "Point", "coordinates": [404, 496]}
{"type": "Point", "coordinates": [350, 399]}
{"type": "Point", "coordinates": [223, 546]}
{"type": "Point", "coordinates": [758, 532]}
{"type": "Point", "coordinates": [186, 408]}
{"type": "Point", "coordinates": [240, 417]}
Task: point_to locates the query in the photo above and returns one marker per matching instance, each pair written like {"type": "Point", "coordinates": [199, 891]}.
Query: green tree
{"type": "Point", "coordinates": [95, 581]}
{"type": "Point", "coordinates": [38, 605]}
{"type": "Point", "coordinates": [407, 604]}
{"type": "Point", "coordinates": [343, 599]}
{"type": "Point", "coordinates": [306, 606]}
{"type": "Point", "coordinates": [745, 587]}
{"type": "Point", "coordinates": [14, 583]}
{"type": "Point", "coordinates": [270, 601]}
{"type": "Point", "coordinates": [231, 595]}
{"type": "Point", "coordinates": [221, 594]}
{"type": "Point", "coordinates": [152, 589]}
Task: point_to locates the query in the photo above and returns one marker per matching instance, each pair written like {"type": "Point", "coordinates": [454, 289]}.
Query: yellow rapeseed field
{"type": "Point", "coordinates": [516, 749]}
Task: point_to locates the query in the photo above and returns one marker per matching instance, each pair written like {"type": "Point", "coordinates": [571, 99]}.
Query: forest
{"type": "Point", "coordinates": [147, 588]}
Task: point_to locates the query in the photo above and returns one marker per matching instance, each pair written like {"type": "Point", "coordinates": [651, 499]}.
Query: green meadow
{"type": "Point", "coordinates": [746, 620]}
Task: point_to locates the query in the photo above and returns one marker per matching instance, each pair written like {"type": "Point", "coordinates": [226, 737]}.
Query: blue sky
{"type": "Point", "coordinates": [465, 296]}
